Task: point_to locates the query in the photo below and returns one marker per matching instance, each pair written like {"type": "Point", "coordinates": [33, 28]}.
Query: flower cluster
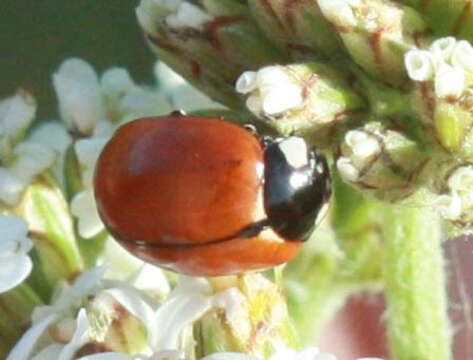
{"type": "Point", "coordinates": [84, 320]}
{"type": "Point", "coordinates": [447, 63]}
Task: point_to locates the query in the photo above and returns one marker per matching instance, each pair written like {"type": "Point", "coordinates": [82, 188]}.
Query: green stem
{"type": "Point", "coordinates": [414, 273]}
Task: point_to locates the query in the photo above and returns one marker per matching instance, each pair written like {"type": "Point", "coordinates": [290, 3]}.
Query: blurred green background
{"type": "Point", "coordinates": [36, 35]}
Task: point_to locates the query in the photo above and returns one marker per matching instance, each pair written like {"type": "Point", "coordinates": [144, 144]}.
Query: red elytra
{"type": "Point", "coordinates": [177, 190]}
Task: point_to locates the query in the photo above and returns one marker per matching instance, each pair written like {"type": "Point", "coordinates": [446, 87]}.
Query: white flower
{"type": "Point", "coordinates": [32, 159]}
{"type": "Point", "coordinates": [191, 299]}
{"type": "Point", "coordinates": [59, 143]}
{"type": "Point", "coordinates": [16, 114]}
{"type": "Point", "coordinates": [84, 207]}
{"type": "Point", "coordinates": [449, 81]}
{"type": "Point", "coordinates": [442, 49]}
{"type": "Point", "coordinates": [270, 91]}
{"type": "Point", "coordinates": [78, 91]}
{"type": "Point", "coordinates": [340, 12]}
{"type": "Point", "coordinates": [358, 150]}
{"type": "Point", "coordinates": [88, 152]}
{"type": "Point", "coordinates": [11, 187]}
{"type": "Point", "coordinates": [167, 78]}
{"type": "Point", "coordinates": [15, 265]}
{"type": "Point", "coordinates": [419, 65]}
{"type": "Point", "coordinates": [188, 15]}
{"type": "Point", "coordinates": [462, 55]}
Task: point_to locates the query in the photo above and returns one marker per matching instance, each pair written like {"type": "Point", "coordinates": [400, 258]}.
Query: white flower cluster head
{"type": "Point", "coordinates": [15, 265]}
{"type": "Point", "coordinates": [270, 90]}
{"type": "Point", "coordinates": [458, 203]}
{"type": "Point", "coordinates": [20, 160]}
{"type": "Point", "coordinates": [60, 330]}
{"type": "Point", "coordinates": [69, 320]}
{"type": "Point", "coordinates": [448, 63]}
{"type": "Point", "coordinates": [95, 107]}
{"type": "Point", "coordinates": [358, 151]}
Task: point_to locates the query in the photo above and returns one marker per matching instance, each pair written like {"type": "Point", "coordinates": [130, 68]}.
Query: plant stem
{"type": "Point", "coordinates": [414, 273]}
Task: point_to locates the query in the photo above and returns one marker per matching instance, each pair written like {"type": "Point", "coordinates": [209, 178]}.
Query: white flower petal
{"type": "Point", "coordinates": [167, 78]}
{"type": "Point", "coordinates": [115, 83]}
{"type": "Point", "coordinates": [230, 300]}
{"type": "Point", "coordinates": [78, 91]}
{"type": "Point", "coordinates": [16, 113]}
{"type": "Point", "coordinates": [107, 356]}
{"type": "Point", "coordinates": [12, 228]}
{"type": "Point", "coordinates": [254, 104]}
{"type": "Point", "coordinates": [462, 55]}
{"type": "Point", "coordinates": [83, 206]}
{"type": "Point", "coordinates": [152, 280]}
{"type": "Point", "coordinates": [281, 99]}
{"type": "Point", "coordinates": [247, 82]}
{"type": "Point", "coordinates": [419, 65]}
{"type": "Point", "coordinates": [173, 316]}
{"type": "Point", "coordinates": [43, 135]}
{"type": "Point", "coordinates": [449, 207]}
{"type": "Point", "coordinates": [271, 76]}
{"type": "Point", "coordinates": [461, 179]}
{"type": "Point", "coordinates": [347, 170]}
{"type": "Point", "coordinates": [50, 352]}
{"type": "Point", "coordinates": [131, 299]}
{"type": "Point", "coordinates": [13, 271]}
{"type": "Point", "coordinates": [24, 347]}
{"type": "Point", "coordinates": [190, 99]}
{"type": "Point", "coordinates": [449, 81]}
{"type": "Point", "coordinates": [88, 151]}
{"type": "Point", "coordinates": [81, 337]}
{"type": "Point", "coordinates": [33, 159]}
{"type": "Point", "coordinates": [141, 103]}
{"type": "Point", "coordinates": [89, 281]}
{"type": "Point", "coordinates": [11, 187]}
{"type": "Point", "coordinates": [338, 11]}
{"type": "Point", "coordinates": [442, 48]}
{"type": "Point", "coordinates": [188, 15]}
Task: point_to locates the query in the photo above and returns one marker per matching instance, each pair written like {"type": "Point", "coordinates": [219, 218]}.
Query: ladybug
{"type": "Point", "coordinates": [204, 196]}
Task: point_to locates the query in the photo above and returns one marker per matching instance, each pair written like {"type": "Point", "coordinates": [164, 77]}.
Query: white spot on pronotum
{"type": "Point", "coordinates": [419, 65]}
{"type": "Point", "coordinates": [246, 82]}
{"type": "Point", "coordinates": [295, 151]}
{"type": "Point", "coordinates": [298, 180]}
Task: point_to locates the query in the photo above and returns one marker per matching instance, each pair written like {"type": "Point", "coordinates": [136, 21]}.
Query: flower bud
{"type": "Point", "coordinates": [298, 27]}
{"type": "Point", "coordinates": [257, 305]}
{"type": "Point", "coordinates": [376, 34]}
{"type": "Point", "coordinates": [209, 43]}
{"type": "Point", "coordinates": [309, 99]}
{"type": "Point", "coordinates": [382, 162]}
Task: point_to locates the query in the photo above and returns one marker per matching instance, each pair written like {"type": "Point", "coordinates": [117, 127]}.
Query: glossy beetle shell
{"type": "Point", "coordinates": [176, 191]}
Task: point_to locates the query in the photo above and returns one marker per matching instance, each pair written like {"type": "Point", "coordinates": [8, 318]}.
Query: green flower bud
{"type": "Point", "coordinates": [443, 96]}
{"type": "Point", "coordinates": [297, 27]}
{"type": "Point", "coordinates": [210, 43]}
{"type": "Point", "coordinates": [258, 318]}
{"type": "Point", "coordinates": [55, 253]}
{"type": "Point", "coordinates": [382, 162]}
{"type": "Point", "coordinates": [310, 99]}
{"type": "Point", "coordinates": [376, 34]}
